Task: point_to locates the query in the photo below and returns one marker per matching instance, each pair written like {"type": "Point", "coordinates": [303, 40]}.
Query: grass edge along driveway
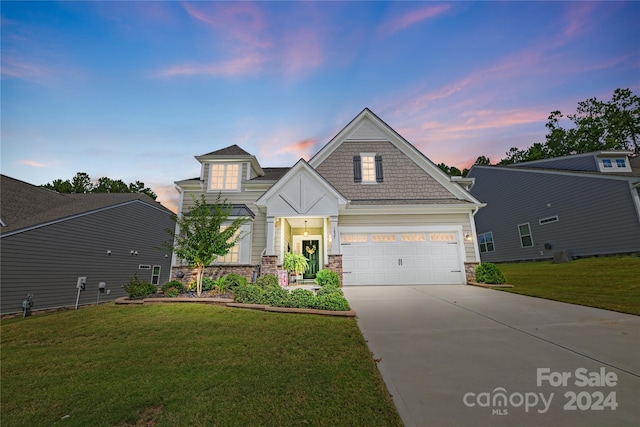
{"type": "Point", "coordinates": [611, 283]}
{"type": "Point", "coordinates": [188, 364]}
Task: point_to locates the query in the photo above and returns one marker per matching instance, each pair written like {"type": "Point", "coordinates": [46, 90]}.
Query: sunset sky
{"type": "Point", "coordinates": [134, 90]}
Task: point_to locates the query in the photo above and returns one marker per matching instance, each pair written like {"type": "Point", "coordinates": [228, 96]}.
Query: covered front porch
{"type": "Point", "coordinates": [310, 236]}
{"type": "Point", "coordinates": [302, 217]}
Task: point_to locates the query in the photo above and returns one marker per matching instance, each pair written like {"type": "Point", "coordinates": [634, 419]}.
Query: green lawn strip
{"type": "Point", "coordinates": [612, 283]}
{"type": "Point", "coordinates": [188, 364]}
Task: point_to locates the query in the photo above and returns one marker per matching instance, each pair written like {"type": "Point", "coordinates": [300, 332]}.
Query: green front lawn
{"type": "Point", "coordinates": [612, 283]}
{"type": "Point", "coordinates": [188, 365]}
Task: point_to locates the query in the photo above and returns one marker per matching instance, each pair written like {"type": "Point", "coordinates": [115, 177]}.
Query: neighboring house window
{"type": "Point", "coordinates": [621, 163]}
{"type": "Point", "coordinates": [607, 163]}
{"type": "Point", "coordinates": [548, 220]}
{"type": "Point", "coordinates": [486, 242]}
{"type": "Point", "coordinates": [155, 275]}
{"type": "Point", "coordinates": [367, 168]}
{"type": "Point", "coordinates": [233, 256]}
{"type": "Point", "coordinates": [526, 240]}
{"type": "Point", "coordinates": [224, 176]}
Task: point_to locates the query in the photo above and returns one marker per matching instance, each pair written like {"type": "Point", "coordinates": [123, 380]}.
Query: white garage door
{"type": "Point", "coordinates": [401, 258]}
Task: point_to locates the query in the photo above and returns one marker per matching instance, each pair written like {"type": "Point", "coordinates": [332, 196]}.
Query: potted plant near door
{"type": "Point", "coordinates": [295, 264]}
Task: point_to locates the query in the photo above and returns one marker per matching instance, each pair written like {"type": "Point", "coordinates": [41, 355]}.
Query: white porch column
{"type": "Point", "coordinates": [335, 235]}
{"type": "Point", "coordinates": [271, 235]}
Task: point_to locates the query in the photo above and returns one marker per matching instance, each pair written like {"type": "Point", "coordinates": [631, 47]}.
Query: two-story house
{"type": "Point", "coordinates": [565, 207]}
{"type": "Point", "coordinates": [368, 205]}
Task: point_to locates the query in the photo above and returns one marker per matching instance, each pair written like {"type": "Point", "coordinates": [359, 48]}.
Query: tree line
{"type": "Point", "coordinates": [596, 126]}
{"type": "Point", "coordinates": [81, 183]}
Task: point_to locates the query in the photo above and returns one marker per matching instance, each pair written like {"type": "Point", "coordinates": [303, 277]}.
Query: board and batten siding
{"type": "Point", "coordinates": [442, 220]}
{"type": "Point", "coordinates": [48, 260]}
{"type": "Point", "coordinates": [596, 215]}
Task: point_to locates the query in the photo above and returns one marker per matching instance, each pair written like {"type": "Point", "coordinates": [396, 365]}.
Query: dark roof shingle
{"type": "Point", "coordinates": [24, 205]}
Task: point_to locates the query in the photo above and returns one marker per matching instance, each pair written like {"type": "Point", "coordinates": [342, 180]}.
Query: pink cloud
{"type": "Point", "coordinates": [303, 52]}
{"type": "Point", "coordinates": [16, 68]}
{"type": "Point", "coordinates": [300, 149]}
{"type": "Point", "coordinates": [32, 163]}
{"type": "Point", "coordinates": [578, 18]}
{"type": "Point", "coordinates": [413, 17]}
{"type": "Point", "coordinates": [246, 65]}
{"type": "Point", "coordinates": [242, 21]}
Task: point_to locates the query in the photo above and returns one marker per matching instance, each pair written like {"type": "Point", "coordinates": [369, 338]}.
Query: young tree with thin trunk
{"type": "Point", "coordinates": [205, 233]}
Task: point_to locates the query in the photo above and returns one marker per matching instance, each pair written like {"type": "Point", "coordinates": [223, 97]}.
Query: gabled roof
{"type": "Point", "coordinates": [25, 206]}
{"type": "Point", "coordinates": [230, 154]}
{"type": "Point", "coordinates": [367, 126]}
{"type": "Point", "coordinates": [232, 150]}
{"type": "Point", "coordinates": [300, 165]}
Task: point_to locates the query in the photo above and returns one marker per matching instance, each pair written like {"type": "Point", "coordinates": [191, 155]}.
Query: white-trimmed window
{"type": "Point", "coordinates": [485, 241]}
{"type": "Point", "coordinates": [621, 163]}
{"type": "Point", "coordinates": [607, 163]}
{"type": "Point", "coordinates": [233, 256]}
{"type": "Point", "coordinates": [155, 275]}
{"type": "Point", "coordinates": [224, 177]}
{"type": "Point", "coordinates": [549, 220]}
{"type": "Point", "coordinates": [368, 167]}
{"type": "Point", "coordinates": [526, 239]}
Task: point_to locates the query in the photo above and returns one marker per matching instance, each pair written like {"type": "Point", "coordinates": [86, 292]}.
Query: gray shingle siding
{"type": "Point", "coordinates": [47, 261]}
{"type": "Point", "coordinates": [403, 178]}
{"type": "Point", "coordinates": [597, 216]}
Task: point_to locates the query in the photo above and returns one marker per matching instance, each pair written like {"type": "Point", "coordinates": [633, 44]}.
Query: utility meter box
{"type": "Point", "coordinates": [102, 286]}
{"type": "Point", "coordinates": [82, 283]}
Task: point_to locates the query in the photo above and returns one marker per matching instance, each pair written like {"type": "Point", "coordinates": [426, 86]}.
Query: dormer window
{"type": "Point", "coordinates": [613, 164]}
{"type": "Point", "coordinates": [224, 177]}
{"type": "Point", "coordinates": [367, 168]}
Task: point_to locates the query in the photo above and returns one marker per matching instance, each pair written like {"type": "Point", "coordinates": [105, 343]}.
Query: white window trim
{"type": "Point", "coordinates": [520, 236]}
{"type": "Point", "coordinates": [548, 220]}
{"type": "Point", "coordinates": [493, 243]}
{"type": "Point", "coordinates": [244, 246]}
{"type": "Point", "coordinates": [224, 190]}
{"type": "Point", "coordinates": [373, 156]}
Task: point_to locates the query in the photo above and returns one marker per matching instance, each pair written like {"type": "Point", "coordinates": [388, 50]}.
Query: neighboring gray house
{"type": "Point", "coordinates": [48, 240]}
{"type": "Point", "coordinates": [573, 206]}
{"type": "Point", "coordinates": [368, 205]}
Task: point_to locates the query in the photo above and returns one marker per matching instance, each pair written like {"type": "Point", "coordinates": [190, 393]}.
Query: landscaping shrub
{"type": "Point", "coordinates": [332, 301]}
{"type": "Point", "coordinates": [302, 298]}
{"type": "Point", "coordinates": [489, 273]}
{"type": "Point", "coordinates": [268, 281]}
{"type": "Point", "coordinates": [248, 294]}
{"type": "Point", "coordinates": [171, 292]}
{"type": "Point", "coordinates": [207, 284]}
{"type": "Point", "coordinates": [275, 297]}
{"type": "Point", "coordinates": [327, 278]}
{"type": "Point", "coordinates": [221, 284]}
{"type": "Point", "coordinates": [235, 280]}
{"type": "Point", "coordinates": [327, 290]}
{"type": "Point", "coordinates": [138, 289]}
{"type": "Point", "coordinates": [172, 284]}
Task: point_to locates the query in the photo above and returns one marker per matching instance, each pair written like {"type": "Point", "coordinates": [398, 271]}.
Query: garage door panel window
{"type": "Point", "coordinates": [442, 237]}
{"type": "Point", "coordinates": [383, 238]}
{"type": "Point", "coordinates": [413, 237]}
{"type": "Point", "coordinates": [354, 238]}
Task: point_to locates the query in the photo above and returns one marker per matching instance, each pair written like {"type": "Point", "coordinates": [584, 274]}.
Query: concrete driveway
{"type": "Point", "coordinates": [467, 356]}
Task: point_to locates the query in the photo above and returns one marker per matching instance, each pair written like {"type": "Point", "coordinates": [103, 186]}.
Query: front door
{"type": "Point", "coordinates": [310, 251]}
